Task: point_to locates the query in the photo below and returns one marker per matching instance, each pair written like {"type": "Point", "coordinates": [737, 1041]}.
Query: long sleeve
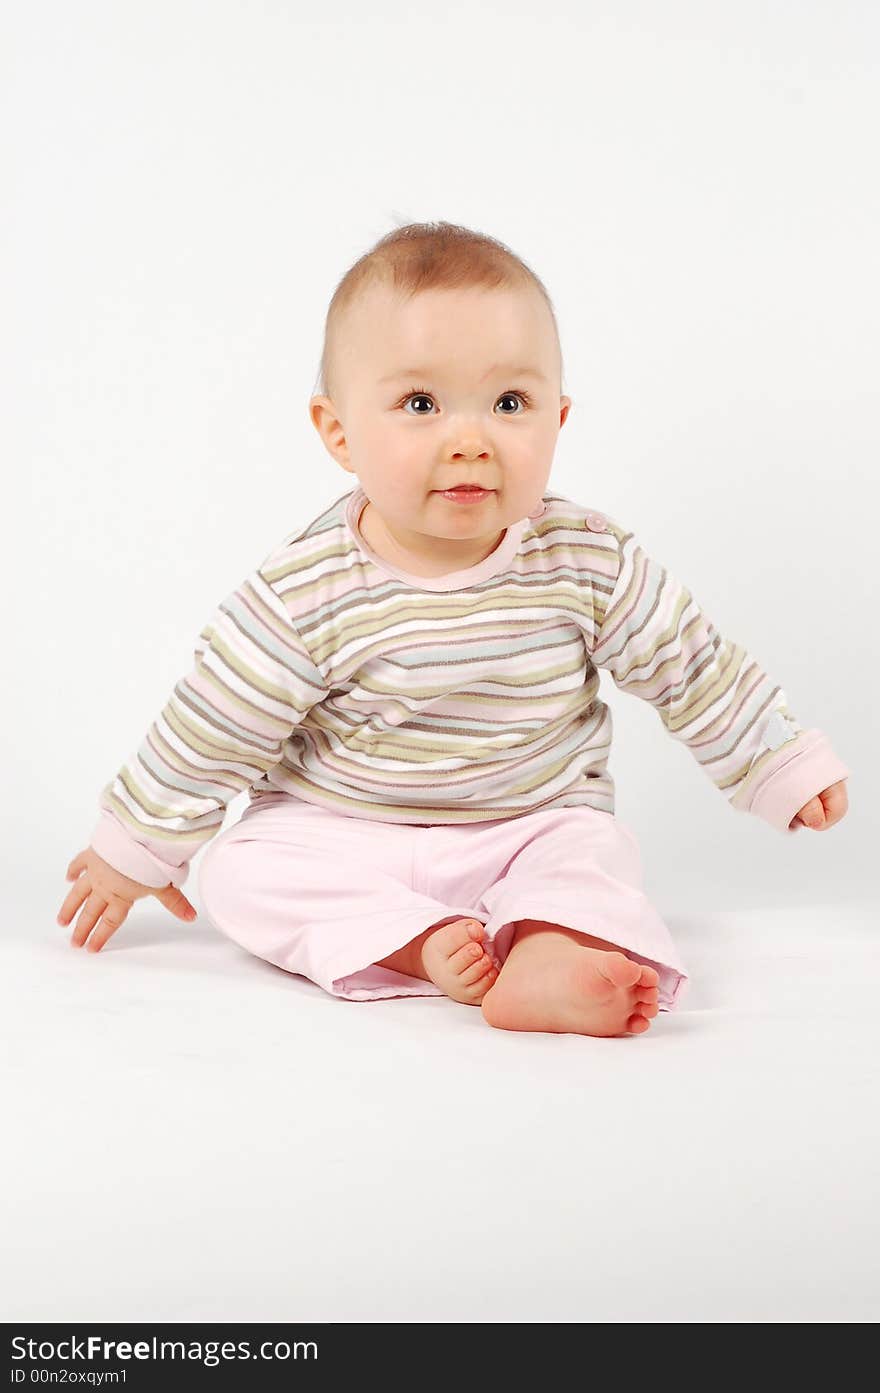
{"type": "Point", "coordinates": [709, 692]}
{"type": "Point", "coordinates": [223, 726]}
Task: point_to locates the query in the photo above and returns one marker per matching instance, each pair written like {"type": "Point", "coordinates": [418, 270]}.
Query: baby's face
{"type": "Point", "coordinates": [451, 387]}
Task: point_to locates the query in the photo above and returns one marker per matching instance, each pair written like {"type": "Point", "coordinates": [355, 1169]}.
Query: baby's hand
{"type": "Point", "coordinates": [825, 809]}
{"type": "Point", "coordinates": [108, 896]}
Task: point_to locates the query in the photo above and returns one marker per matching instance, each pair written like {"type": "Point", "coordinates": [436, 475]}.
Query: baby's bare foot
{"type": "Point", "coordinates": [555, 980]}
{"type": "Point", "coordinates": [455, 960]}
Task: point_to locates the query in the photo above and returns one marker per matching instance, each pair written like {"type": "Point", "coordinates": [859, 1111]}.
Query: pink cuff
{"type": "Point", "coordinates": [799, 770]}
{"type": "Point", "coordinates": [131, 858]}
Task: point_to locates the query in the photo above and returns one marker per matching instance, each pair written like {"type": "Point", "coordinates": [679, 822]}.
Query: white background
{"type": "Point", "coordinates": [183, 185]}
{"type": "Point", "coordinates": [696, 185]}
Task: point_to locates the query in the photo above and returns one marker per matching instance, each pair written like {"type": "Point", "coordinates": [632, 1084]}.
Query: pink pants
{"type": "Point", "coordinates": [325, 895]}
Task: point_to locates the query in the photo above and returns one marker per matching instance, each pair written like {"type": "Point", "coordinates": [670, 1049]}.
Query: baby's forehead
{"type": "Point", "coordinates": [430, 324]}
{"type": "Point", "coordinates": [381, 299]}
{"type": "Point", "coordinates": [466, 332]}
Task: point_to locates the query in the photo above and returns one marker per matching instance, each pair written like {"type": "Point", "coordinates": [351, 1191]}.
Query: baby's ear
{"type": "Point", "coordinates": [319, 408]}
{"type": "Point", "coordinates": [324, 417]}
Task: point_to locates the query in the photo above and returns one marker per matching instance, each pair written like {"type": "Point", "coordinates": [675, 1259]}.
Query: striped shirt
{"type": "Point", "coordinates": [330, 676]}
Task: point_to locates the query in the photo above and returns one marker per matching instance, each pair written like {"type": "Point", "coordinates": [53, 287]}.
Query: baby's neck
{"type": "Point", "coordinates": [375, 533]}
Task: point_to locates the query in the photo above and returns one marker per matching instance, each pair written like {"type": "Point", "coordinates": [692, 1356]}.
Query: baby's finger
{"type": "Point", "coordinates": [76, 865]}
{"type": "Point", "coordinates": [835, 800]}
{"type": "Point", "coordinates": [74, 899]}
{"type": "Point", "coordinates": [94, 908]}
{"type": "Point", "coordinates": [112, 917]}
{"type": "Point", "coordinates": [812, 814]}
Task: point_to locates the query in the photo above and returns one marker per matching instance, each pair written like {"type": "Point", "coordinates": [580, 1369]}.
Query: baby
{"type": "Point", "coordinates": [407, 690]}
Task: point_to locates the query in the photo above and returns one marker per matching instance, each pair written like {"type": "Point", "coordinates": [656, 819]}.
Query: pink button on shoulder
{"type": "Point", "coordinates": [596, 522]}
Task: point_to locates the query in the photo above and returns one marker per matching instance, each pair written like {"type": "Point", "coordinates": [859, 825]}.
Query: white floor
{"type": "Point", "coordinates": [195, 1135]}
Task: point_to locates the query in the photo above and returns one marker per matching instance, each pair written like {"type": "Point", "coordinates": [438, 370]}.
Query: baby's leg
{"type": "Point", "coordinates": [450, 955]}
{"type": "Point", "coordinates": [555, 979]}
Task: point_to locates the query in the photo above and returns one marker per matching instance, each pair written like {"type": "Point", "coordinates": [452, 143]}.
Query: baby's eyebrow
{"type": "Point", "coordinates": [428, 372]}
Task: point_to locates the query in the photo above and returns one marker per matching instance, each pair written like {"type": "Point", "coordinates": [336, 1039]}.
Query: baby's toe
{"type": "Point", "coordinates": [475, 991]}
{"type": "Point", "coordinates": [476, 971]}
{"type": "Point", "coordinates": [471, 955]}
{"type": "Point", "coordinates": [618, 969]}
{"type": "Point", "coordinates": [637, 1025]}
{"type": "Point", "coordinates": [649, 978]}
{"type": "Point", "coordinates": [461, 933]}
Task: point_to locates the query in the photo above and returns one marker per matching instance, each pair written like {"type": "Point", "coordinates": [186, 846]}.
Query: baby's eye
{"type": "Point", "coordinates": [512, 396]}
{"type": "Point", "coordinates": [419, 393]}
{"type": "Point", "coordinates": [416, 396]}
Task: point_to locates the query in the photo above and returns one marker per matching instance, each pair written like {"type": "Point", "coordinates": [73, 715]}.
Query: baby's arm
{"type": "Point", "coordinates": [710, 693]}
{"type": "Point", "coordinates": [222, 728]}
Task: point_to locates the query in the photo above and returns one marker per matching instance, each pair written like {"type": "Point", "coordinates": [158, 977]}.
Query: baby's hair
{"type": "Point", "coordinates": [427, 256]}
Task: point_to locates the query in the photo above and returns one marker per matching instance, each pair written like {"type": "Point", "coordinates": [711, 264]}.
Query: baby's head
{"type": "Point", "coordinates": [442, 365]}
